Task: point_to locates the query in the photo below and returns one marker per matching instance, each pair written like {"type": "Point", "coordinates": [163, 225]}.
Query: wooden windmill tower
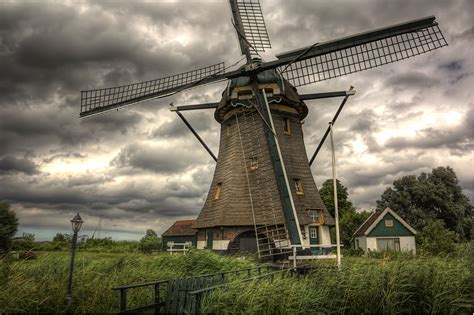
{"type": "Point", "coordinates": [263, 194]}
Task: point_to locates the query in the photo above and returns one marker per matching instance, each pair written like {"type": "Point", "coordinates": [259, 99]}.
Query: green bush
{"type": "Point", "coordinates": [436, 239]}
{"type": "Point", "coordinates": [149, 243]}
{"type": "Point", "coordinates": [22, 244]}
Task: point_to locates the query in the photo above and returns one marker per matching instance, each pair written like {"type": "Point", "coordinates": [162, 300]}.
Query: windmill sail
{"type": "Point", "coordinates": [360, 52]}
{"type": "Point", "coordinates": [251, 28]}
{"type": "Point", "coordinates": [101, 100]}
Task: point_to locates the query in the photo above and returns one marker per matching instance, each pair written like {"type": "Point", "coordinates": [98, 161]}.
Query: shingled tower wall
{"type": "Point", "coordinates": [244, 160]}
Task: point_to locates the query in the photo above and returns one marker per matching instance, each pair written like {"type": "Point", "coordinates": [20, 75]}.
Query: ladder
{"type": "Point", "coordinates": [269, 222]}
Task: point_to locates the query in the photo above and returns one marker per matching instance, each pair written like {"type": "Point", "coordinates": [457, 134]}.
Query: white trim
{"type": "Point", "coordinates": [290, 194]}
{"type": "Point", "coordinates": [382, 215]}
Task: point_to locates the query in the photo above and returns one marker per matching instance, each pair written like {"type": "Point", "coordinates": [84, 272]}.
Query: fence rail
{"type": "Point", "coordinates": [177, 295]}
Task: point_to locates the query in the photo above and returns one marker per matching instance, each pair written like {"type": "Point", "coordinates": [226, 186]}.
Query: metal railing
{"type": "Point", "coordinates": [175, 288]}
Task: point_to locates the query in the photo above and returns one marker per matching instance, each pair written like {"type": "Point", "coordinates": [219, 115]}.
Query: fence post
{"type": "Point", "coordinates": [249, 271]}
{"type": "Point", "coordinates": [259, 270]}
{"type": "Point", "coordinates": [198, 303]}
{"type": "Point", "coordinates": [223, 278]}
{"type": "Point", "coordinates": [123, 300]}
{"type": "Point", "coordinates": [157, 298]}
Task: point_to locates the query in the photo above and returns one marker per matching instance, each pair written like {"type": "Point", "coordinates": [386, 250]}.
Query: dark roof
{"type": "Point", "coordinates": [181, 228]}
{"type": "Point", "coordinates": [370, 220]}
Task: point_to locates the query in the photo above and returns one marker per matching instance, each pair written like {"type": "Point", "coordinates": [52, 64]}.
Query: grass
{"type": "Point", "coordinates": [421, 285]}
{"type": "Point", "coordinates": [39, 285]}
{"type": "Point", "coordinates": [409, 285]}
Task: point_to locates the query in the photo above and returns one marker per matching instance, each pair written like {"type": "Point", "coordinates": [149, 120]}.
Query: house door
{"type": "Point", "coordinates": [314, 240]}
{"type": "Point", "coordinates": [210, 238]}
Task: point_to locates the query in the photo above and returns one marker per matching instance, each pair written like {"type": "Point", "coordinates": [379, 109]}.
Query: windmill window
{"type": "Point", "coordinates": [253, 163]}
{"type": "Point", "coordinates": [299, 186]}
{"type": "Point", "coordinates": [313, 233]}
{"type": "Point", "coordinates": [218, 191]}
{"type": "Point", "coordinates": [286, 126]}
{"type": "Point", "coordinates": [228, 130]}
{"type": "Point", "coordinates": [388, 223]}
{"type": "Point", "coordinates": [315, 215]}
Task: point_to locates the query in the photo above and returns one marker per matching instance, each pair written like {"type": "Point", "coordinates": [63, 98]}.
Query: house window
{"type": "Point", "coordinates": [315, 215]}
{"type": "Point", "coordinates": [388, 223]}
{"type": "Point", "coordinates": [253, 163]}
{"type": "Point", "coordinates": [357, 244]}
{"type": "Point", "coordinates": [218, 191]}
{"type": "Point", "coordinates": [313, 232]}
{"type": "Point", "coordinates": [388, 244]}
{"type": "Point", "coordinates": [299, 186]}
{"type": "Point", "coordinates": [286, 125]}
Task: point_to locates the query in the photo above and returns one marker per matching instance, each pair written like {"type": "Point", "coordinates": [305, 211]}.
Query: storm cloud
{"type": "Point", "coordinates": [141, 168]}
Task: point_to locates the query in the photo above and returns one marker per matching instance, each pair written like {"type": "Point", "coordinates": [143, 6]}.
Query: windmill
{"type": "Point", "coordinates": [263, 193]}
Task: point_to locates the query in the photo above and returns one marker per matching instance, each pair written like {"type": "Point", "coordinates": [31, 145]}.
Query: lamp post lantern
{"type": "Point", "coordinates": [76, 223]}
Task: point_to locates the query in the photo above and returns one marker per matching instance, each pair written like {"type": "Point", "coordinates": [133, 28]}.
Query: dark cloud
{"type": "Point", "coordinates": [51, 51]}
{"type": "Point", "coordinates": [176, 128]}
{"type": "Point", "coordinates": [157, 159]}
{"type": "Point", "coordinates": [459, 139]}
{"type": "Point", "coordinates": [411, 80]}
{"type": "Point", "coordinates": [11, 164]}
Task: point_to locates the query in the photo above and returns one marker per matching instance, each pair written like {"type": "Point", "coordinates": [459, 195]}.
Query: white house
{"type": "Point", "coordinates": [385, 230]}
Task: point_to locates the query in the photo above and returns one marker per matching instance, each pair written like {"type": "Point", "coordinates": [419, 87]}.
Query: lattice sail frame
{"type": "Point", "coordinates": [99, 100]}
{"type": "Point", "coordinates": [255, 30]}
{"type": "Point", "coordinates": [328, 65]}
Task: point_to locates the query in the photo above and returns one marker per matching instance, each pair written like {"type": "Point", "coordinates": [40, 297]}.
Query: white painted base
{"type": "Point", "coordinates": [313, 257]}
{"type": "Point", "coordinates": [201, 244]}
{"type": "Point", "coordinates": [220, 245]}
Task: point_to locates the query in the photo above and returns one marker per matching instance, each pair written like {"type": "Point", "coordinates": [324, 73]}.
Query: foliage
{"type": "Point", "coordinates": [351, 251]}
{"type": "Point", "coordinates": [151, 233]}
{"type": "Point", "coordinates": [327, 195]}
{"type": "Point", "coordinates": [349, 219]}
{"type": "Point", "coordinates": [435, 239]}
{"type": "Point", "coordinates": [362, 286]}
{"type": "Point", "coordinates": [428, 197]}
{"type": "Point", "coordinates": [107, 245]}
{"type": "Point", "coordinates": [39, 286]}
{"type": "Point", "coordinates": [60, 237]}
{"type": "Point", "coordinates": [150, 242]}
{"type": "Point", "coordinates": [349, 223]}
{"type": "Point", "coordinates": [8, 225]}
{"type": "Point", "coordinates": [22, 244]}
{"type": "Point", "coordinates": [29, 237]}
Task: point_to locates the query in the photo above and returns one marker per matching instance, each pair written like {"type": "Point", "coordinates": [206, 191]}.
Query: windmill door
{"type": "Point", "coordinates": [210, 238]}
{"type": "Point", "coordinates": [314, 240]}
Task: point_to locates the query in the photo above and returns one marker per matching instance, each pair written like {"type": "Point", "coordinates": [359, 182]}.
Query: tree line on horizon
{"type": "Point", "coordinates": [433, 203]}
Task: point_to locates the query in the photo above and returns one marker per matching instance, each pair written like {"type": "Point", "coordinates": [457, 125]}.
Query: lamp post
{"type": "Point", "coordinates": [76, 223]}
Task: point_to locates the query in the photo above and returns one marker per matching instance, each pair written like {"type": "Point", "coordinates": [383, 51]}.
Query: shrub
{"type": "Point", "coordinates": [149, 243]}
{"type": "Point", "coordinates": [436, 239]}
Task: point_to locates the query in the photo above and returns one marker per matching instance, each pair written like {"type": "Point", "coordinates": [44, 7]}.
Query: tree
{"type": "Point", "coordinates": [8, 225]}
{"type": "Point", "coordinates": [349, 223]}
{"type": "Point", "coordinates": [150, 232]}
{"type": "Point", "coordinates": [150, 242]}
{"type": "Point", "coordinates": [436, 239]}
{"type": "Point", "coordinates": [428, 197]}
{"type": "Point", "coordinates": [59, 238]}
{"type": "Point", "coordinates": [327, 195]}
{"type": "Point", "coordinates": [349, 219]}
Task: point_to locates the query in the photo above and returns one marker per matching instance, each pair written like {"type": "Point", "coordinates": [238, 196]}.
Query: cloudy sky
{"type": "Point", "coordinates": [140, 168]}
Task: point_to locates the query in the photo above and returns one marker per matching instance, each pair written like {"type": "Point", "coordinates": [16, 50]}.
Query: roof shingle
{"type": "Point", "coordinates": [181, 228]}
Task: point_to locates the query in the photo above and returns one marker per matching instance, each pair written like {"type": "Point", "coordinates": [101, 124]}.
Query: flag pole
{"type": "Point", "coordinates": [336, 210]}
